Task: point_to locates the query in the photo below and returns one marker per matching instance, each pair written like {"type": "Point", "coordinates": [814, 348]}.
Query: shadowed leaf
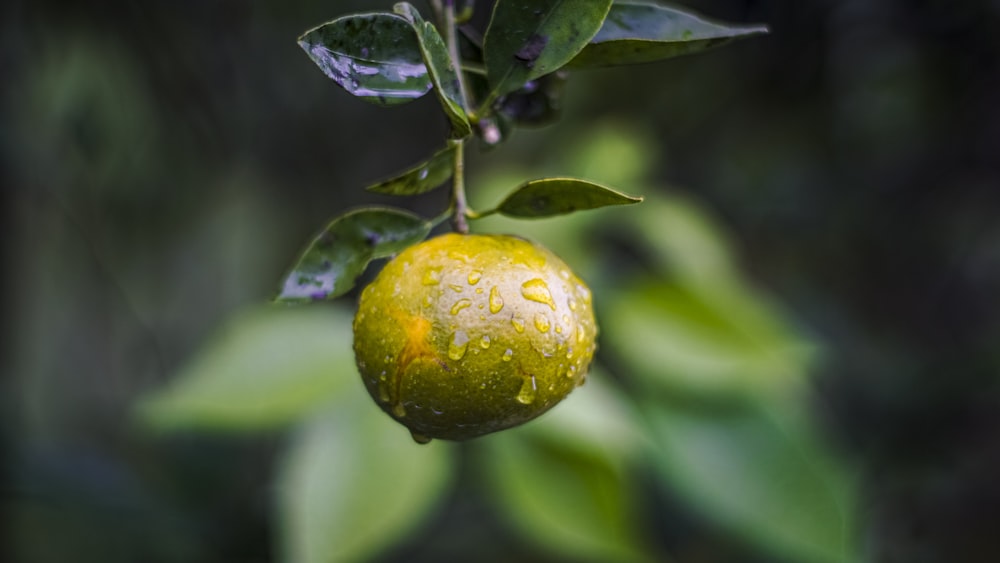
{"type": "Point", "coordinates": [636, 32]}
{"type": "Point", "coordinates": [374, 56]}
{"type": "Point", "coordinates": [422, 178]}
{"type": "Point", "coordinates": [537, 103]}
{"type": "Point", "coordinates": [338, 255]}
{"type": "Point", "coordinates": [558, 196]}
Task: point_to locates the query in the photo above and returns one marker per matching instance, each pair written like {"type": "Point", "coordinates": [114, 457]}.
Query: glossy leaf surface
{"type": "Point", "coordinates": [527, 39]}
{"type": "Point", "coordinates": [636, 32]}
{"type": "Point", "coordinates": [374, 56]}
{"type": "Point", "coordinates": [265, 368]}
{"type": "Point", "coordinates": [422, 178]}
{"type": "Point", "coordinates": [352, 485]}
{"type": "Point", "coordinates": [558, 196]}
{"type": "Point", "coordinates": [762, 473]}
{"type": "Point", "coordinates": [338, 255]}
{"type": "Point", "coordinates": [443, 73]}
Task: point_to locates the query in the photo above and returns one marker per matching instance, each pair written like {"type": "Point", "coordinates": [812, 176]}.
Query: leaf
{"type": "Point", "coordinates": [636, 32]}
{"type": "Point", "coordinates": [713, 342]}
{"type": "Point", "coordinates": [763, 473]}
{"type": "Point", "coordinates": [557, 196]}
{"type": "Point", "coordinates": [574, 500]}
{"type": "Point", "coordinates": [423, 177]}
{"type": "Point", "coordinates": [374, 56]}
{"type": "Point", "coordinates": [685, 242]}
{"type": "Point", "coordinates": [527, 39]}
{"type": "Point", "coordinates": [339, 254]}
{"type": "Point", "coordinates": [443, 73]}
{"type": "Point", "coordinates": [353, 485]}
{"type": "Point", "coordinates": [537, 103]}
{"type": "Point", "coordinates": [266, 367]}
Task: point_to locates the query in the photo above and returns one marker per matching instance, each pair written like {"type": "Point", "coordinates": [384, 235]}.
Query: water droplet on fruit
{"type": "Point", "coordinates": [475, 276]}
{"type": "Point", "coordinates": [496, 302]}
{"type": "Point", "coordinates": [420, 438]}
{"type": "Point", "coordinates": [572, 304]}
{"type": "Point", "coordinates": [484, 342]}
{"type": "Point", "coordinates": [398, 410]}
{"type": "Point", "coordinates": [458, 345]}
{"type": "Point", "coordinates": [542, 323]}
{"type": "Point", "coordinates": [528, 390]}
{"type": "Point", "coordinates": [558, 329]}
{"type": "Point", "coordinates": [518, 324]}
{"type": "Point", "coordinates": [507, 355]}
{"type": "Point", "coordinates": [537, 290]}
{"type": "Point", "coordinates": [459, 305]}
{"type": "Point", "coordinates": [455, 287]}
{"type": "Point", "coordinates": [584, 292]}
{"type": "Point", "coordinates": [432, 276]}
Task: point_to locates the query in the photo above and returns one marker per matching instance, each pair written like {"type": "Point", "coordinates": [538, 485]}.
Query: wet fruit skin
{"type": "Point", "coordinates": [463, 335]}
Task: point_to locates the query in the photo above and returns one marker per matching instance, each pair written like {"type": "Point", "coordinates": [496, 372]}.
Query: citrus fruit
{"type": "Point", "coordinates": [463, 335]}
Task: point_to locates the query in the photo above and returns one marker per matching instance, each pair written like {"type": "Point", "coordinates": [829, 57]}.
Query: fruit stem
{"type": "Point", "coordinates": [458, 189]}
{"type": "Point", "coordinates": [459, 203]}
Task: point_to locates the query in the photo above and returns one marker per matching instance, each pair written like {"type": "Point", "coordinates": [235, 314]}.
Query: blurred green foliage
{"type": "Point", "coordinates": [819, 233]}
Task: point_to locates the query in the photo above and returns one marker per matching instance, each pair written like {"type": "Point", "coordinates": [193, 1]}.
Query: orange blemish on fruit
{"type": "Point", "coordinates": [418, 347]}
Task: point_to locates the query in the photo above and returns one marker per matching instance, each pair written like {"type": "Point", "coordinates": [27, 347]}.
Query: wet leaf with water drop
{"type": "Point", "coordinates": [338, 255]}
{"type": "Point", "coordinates": [637, 32]}
{"type": "Point", "coordinates": [375, 56]}
{"type": "Point", "coordinates": [527, 39]}
{"type": "Point", "coordinates": [443, 73]}
{"type": "Point", "coordinates": [421, 178]}
{"type": "Point", "coordinates": [558, 196]}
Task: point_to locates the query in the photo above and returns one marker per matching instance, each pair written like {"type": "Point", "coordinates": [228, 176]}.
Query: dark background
{"type": "Point", "coordinates": [163, 161]}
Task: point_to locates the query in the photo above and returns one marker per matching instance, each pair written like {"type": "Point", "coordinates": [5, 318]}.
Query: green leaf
{"type": "Point", "coordinates": [374, 56]}
{"type": "Point", "coordinates": [443, 73]}
{"type": "Point", "coordinates": [265, 368]}
{"type": "Point", "coordinates": [557, 196]}
{"type": "Point", "coordinates": [573, 500]}
{"type": "Point", "coordinates": [715, 342]}
{"type": "Point", "coordinates": [761, 472]}
{"type": "Point", "coordinates": [353, 485]}
{"type": "Point", "coordinates": [339, 254]}
{"type": "Point", "coordinates": [685, 242]}
{"type": "Point", "coordinates": [636, 32]}
{"type": "Point", "coordinates": [527, 39]}
{"type": "Point", "coordinates": [423, 177]}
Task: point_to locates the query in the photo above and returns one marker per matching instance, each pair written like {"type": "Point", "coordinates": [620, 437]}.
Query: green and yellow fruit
{"type": "Point", "coordinates": [463, 335]}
